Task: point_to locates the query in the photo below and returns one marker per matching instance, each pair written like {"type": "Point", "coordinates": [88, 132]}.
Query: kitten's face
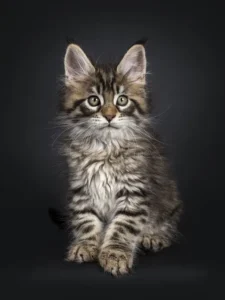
{"type": "Point", "coordinates": [104, 101]}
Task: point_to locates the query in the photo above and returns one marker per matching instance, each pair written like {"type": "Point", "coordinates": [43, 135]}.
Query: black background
{"type": "Point", "coordinates": [185, 51]}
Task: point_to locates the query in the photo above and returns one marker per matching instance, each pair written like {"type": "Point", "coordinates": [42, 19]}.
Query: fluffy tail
{"type": "Point", "coordinates": [57, 217]}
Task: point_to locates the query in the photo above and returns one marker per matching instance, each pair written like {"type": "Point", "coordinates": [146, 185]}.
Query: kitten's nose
{"type": "Point", "coordinates": [109, 117]}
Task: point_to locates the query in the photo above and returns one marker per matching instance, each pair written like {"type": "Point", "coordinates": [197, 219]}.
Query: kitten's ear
{"type": "Point", "coordinates": [133, 64]}
{"type": "Point", "coordinates": [76, 63]}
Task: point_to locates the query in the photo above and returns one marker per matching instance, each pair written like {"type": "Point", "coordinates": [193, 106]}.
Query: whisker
{"type": "Point", "coordinates": [61, 133]}
{"type": "Point", "coordinates": [162, 113]}
{"type": "Point", "coordinates": [147, 134]}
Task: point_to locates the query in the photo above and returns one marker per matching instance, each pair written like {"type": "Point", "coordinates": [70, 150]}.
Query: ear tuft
{"type": "Point", "coordinates": [142, 42]}
{"type": "Point", "coordinates": [70, 40]}
{"type": "Point", "coordinates": [76, 63]}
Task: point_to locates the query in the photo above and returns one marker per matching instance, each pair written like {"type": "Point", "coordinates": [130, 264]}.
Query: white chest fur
{"type": "Point", "coordinates": [100, 180]}
{"type": "Point", "coordinates": [97, 171]}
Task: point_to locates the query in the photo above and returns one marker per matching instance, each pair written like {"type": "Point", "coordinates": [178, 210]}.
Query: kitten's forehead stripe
{"type": "Point", "coordinates": [106, 78]}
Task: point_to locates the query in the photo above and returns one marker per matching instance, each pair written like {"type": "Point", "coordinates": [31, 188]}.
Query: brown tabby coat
{"type": "Point", "coordinates": [121, 194]}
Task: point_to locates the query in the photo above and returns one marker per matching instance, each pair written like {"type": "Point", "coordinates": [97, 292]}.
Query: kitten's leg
{"type": "Point", "coordinates": [121, 237]}
{"type": "Point", "coordinates": [86, 229]}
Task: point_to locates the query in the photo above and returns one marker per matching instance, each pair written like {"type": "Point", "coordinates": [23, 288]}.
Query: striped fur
{"type": "Point", "coordinates": [121, 194]}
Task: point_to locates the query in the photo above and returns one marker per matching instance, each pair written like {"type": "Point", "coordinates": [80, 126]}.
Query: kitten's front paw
{"type": "Point", "coordinates": [117, 262]}
{"type": "Point", "coordinates": [82, 252]}
{"type": "Point", "coordinates": [154, 242]}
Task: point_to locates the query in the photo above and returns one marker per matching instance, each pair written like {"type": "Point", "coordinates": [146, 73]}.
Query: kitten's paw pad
{"type": "Point", "coordinates": [82, 253]}
{"type": "Point", "coordinates": [154, 242]}
{"type": "Point", "coordinates": [116, 262]}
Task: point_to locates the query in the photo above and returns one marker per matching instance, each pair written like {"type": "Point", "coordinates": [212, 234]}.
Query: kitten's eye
{"type": "Point", "coordinates": [122, 100]}
{"type": "Point", "coordinates": [93, 101]}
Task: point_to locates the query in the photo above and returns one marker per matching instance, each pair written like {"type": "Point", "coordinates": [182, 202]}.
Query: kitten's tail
{"type": "Point", "coordinates": [58, 218]}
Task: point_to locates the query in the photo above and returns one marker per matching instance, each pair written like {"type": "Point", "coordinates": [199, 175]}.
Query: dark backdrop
{"type": "Point", "coordinates": [186, 57]}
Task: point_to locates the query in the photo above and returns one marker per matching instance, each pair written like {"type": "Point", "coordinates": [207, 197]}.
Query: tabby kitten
{"type": "Point", "coordinates": [121, 196]}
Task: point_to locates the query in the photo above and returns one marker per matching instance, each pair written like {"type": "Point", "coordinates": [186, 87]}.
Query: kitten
{"type": "Point", "coordinates": [121, 195]}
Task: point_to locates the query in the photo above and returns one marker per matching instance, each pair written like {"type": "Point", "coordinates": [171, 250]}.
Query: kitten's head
{"type": "Point", "coordinates": [104, 101]}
